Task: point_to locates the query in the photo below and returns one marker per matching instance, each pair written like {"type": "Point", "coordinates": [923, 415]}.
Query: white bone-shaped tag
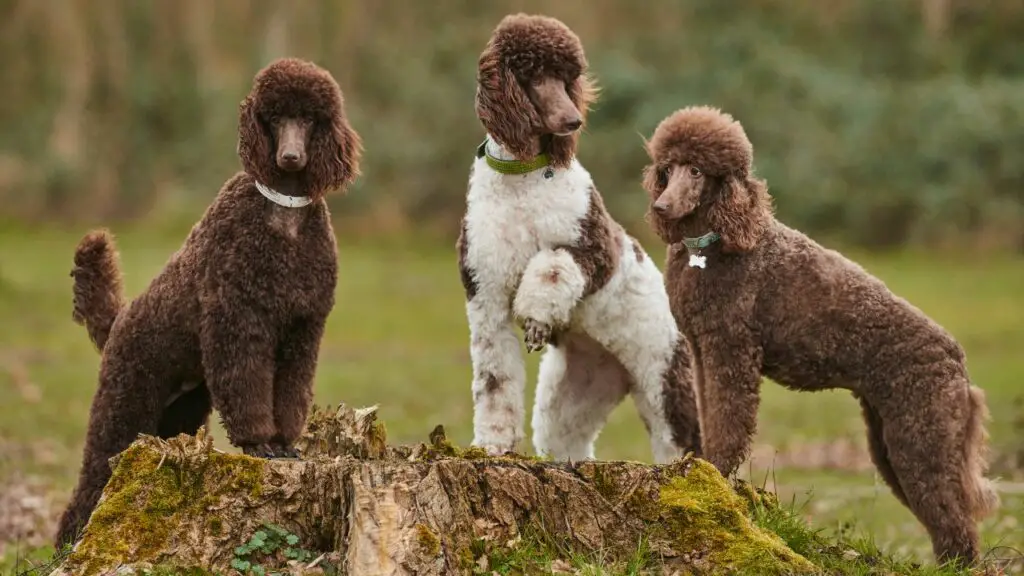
{"type": "Point", "coordinates": [697, 261]}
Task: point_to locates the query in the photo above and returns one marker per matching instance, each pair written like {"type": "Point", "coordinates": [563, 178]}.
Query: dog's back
{"type": "Point", "coordinates": [825, 322]}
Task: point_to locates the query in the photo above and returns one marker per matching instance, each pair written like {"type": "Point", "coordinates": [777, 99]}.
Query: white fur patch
{"type": "Point", "coordinates": [580, 383]}
{"type": "Point", "coordinates": [513, 224]}
{"type": "Point", "coordinates": [499, 377]}
{"type": "Point", "coordinates": [551, 286]}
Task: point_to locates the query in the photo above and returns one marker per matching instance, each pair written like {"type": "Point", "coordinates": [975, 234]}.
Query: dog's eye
{"type": "Point", "coordinates": [695, 172]}
{"type": "Point", "coordinates": [662, 177]}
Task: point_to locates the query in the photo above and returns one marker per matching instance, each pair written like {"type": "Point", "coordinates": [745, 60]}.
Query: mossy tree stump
{"type": "Point", "coordinates": [429, 509]}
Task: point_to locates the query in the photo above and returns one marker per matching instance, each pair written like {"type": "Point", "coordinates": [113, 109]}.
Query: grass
{"type": "Point", "coordinates": [398, 338]}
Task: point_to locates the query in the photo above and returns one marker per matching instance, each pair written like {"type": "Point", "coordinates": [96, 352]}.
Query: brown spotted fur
{"type": "Point", "coordinates": [524, 52]}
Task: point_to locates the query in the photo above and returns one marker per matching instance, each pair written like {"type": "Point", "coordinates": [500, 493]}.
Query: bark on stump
{"type": "Point", "coordinates": [430, 509]}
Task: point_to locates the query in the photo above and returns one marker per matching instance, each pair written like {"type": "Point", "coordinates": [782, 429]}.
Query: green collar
{"type": "Point", "coordinates": [512, 166]}
{"type": "Point", "coordinates": [701, 241]}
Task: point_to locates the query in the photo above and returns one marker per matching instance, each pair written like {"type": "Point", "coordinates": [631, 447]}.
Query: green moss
{"type": "Point", "coordinates": [429, 543]}
{"type": "Point", "coordinates": [144, 495]}
{"type": "Point", "coordinates": [755, 496]}
{"type": "Point", "coordinates": [127, 465]}
{"type": "Point", "coordinates": [235, 473]}
{"type": "Point", "coordinates": [171, 570]}
{"type": "Point", "coordinates": [440, 446]}
{"type": "Point", "coordinates": [474, 453]}
{"type": "Point", "coordinates": [134, 518]}
{"type": "Point", "coordinates": [644, 506]}
{"type": "Point", "coordinates": [466, 557]}
{"type": "Point", "coordinates": [517, 457]}
{"type": "Point", "coordinates": [604, 485]}
{"type": "Point", "coordinates": [377, 445]}
{"type": "Point", "coordinates": [702, 513]}
{"type": "Point", "coordinates": [446, 448]}
{"type": "Point", "coordinates": [638, 503]}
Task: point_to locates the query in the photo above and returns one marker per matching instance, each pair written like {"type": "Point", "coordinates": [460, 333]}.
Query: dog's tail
{"type": "Point", "coordinates": [981, 492]}
{"type": "Point", "coordinates": [98, 290]}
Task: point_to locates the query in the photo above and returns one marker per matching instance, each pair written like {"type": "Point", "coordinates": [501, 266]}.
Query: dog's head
{"type": "Point", "coordinates": [700, 180]}
{"type": "Point", "coordinates": [293, 125]}
{"type": "Point", "coordinates": [532, 85]}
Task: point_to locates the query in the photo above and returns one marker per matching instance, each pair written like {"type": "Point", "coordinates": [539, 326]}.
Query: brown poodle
{"type": "Point", "coordinates": [755, 297]}
{"type": "Point", "coordinates": [538, 247]}
{"type": "Point", "coordinates": [234, 320]}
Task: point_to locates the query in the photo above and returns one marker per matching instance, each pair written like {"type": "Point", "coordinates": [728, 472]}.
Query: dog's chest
{"type": "Point", "coordinates": [285, 221]}
{"type": "Point", "coordinates": [299, 274]}
{"type": "Point", "coordinates": [509, 218]}
{"type": "Point", "coordinates": [703, 298]}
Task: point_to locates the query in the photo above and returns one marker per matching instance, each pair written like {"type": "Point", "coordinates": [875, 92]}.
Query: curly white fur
{"type": "Point", "coordinates": [552, 284]}
{"type": "Point", "coordinates": [620, 339]}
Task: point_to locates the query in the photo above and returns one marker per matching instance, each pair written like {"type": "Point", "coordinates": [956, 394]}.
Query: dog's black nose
{"type": "Point", "coordinates": [659, 208]}
{"type": "Point", "coordinates": [290, 156]}
{"type": "Point", "coordinates": [573, 125]}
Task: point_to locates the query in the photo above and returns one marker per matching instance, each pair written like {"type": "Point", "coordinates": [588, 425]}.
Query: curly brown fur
{"type": "Point", "coordinates": [234, 320]}
{"type": "Point", "coordinates": [98, 288]}
{"type": "Point", "coordinates": [334, 148]}
{"type": "Point", "coordinates": [532, 68]}
{"type": "Point", "coordinates": [772, 302]}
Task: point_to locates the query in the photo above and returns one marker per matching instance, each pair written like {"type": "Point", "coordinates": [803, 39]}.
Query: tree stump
{"type": "Point", "coordinates": [358, 506]}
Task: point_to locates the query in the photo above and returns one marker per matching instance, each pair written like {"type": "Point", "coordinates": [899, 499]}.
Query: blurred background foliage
{"type": "Point", "coordinates": [893, 129]}
{"type": "Point", "coordinates": [876, 122]}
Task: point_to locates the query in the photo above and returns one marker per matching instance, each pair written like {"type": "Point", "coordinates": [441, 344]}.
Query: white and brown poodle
{"type": "Point", "coordinates": [538, 246]}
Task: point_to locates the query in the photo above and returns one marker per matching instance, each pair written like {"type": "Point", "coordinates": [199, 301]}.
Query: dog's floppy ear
{"type": "Point", "coordinates": [650, 182]}
{"type": "Point", "coordinates": [740, 213]}
{"type": "Point", "coordinates": [582, 92]}
{"type": "Point", "coordinates": [255, 144]}
{"type": "Point", "coordinates": [504, 108]}
{"type": "Point", "coordinates": [334, 154]}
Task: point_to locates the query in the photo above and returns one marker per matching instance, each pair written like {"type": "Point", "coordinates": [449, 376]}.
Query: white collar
{"type": "Point", "coordinates": [282, 199]}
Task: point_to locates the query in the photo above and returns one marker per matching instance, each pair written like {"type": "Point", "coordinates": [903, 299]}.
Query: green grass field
{"type": "Point", "coordinates": [398, 338]}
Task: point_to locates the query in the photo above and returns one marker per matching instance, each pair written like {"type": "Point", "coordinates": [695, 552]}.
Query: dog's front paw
{"type": "Point", "coordinates": [536, 334]}
{"type": "Point", "coordinates": [264, 450]}
{"type": "Point", "coordinates": [283, 450]}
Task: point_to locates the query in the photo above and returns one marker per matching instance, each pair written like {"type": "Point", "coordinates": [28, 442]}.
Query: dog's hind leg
{"type": "Point", "coordinates": [128, 402]}
{"type": "Point", "coordinates": [666, 399]}
{"type": "Point", "coordinates": [879, 452]}
{"type": "Point", "coordinates": [579, 384]}
{"type": "Point", "coordinates": [925, 430]}
{"type": "Point", "coordinates": [186, 413]}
